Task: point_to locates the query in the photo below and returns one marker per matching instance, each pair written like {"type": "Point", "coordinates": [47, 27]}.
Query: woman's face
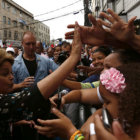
{"type": "Point", "coordinates": [110, 101]}
{"type": "Point", "coordinates": [98, 59]}
{"type": "Point", "coordinates": [6, 78]}
{"type": "Point", "coordinates": [57, 50]}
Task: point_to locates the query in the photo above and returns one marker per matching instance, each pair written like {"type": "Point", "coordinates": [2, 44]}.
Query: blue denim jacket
{"type": "Point", "coordinates": [43, 66]}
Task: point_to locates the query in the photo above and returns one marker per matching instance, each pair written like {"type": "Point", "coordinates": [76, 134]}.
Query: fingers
{"type": "Point", "coordinates": [69, 35]}
{"type": "Point", "coordinates": [92, 19]}
{"type": "Point", "coordinates": [77, 31]}
{"type": "Point", "coordinates": [53, 99]}
{"type": "Point", "coordinates": [50, 71]}
{"type": "Point", "coordinates": [53, 102]}
{"type": "Point", "coordinates": [71, 26]}
{"type": "Point", "coordinates": [43, 128]}
{"type": "Point", "coordinates": [23, 122]}
{"type": "Point", "coordinates": [29, 79]}
{"type": "Point", "coordinates": [106, 16]}
{"type": "Point", "coordinates": [62, 102]}
{"type": "Point", "coordinates": [131, 22]}
{"type": "Point", "coordinates": [118, 131]}
{"type": "Point", "coordinates": [48, 134]}
{"type": "Point", "coordinates": [101, 132]}
{"type": "Point", "coordinates": [113, 14]}
{"type": "Point", "coordinates": [81, 67]}
{"type": "Point", "coordinates": [58, 113]}
{"type": "Point", "coordinates": [108, 25]}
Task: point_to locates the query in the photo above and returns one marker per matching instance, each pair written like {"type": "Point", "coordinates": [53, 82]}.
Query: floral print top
{"type": "Point", "coordinates": [27, 104]}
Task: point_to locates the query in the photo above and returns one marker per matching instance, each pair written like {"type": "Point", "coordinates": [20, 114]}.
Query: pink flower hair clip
{"type": "Point", "coordinates": [113, 80]}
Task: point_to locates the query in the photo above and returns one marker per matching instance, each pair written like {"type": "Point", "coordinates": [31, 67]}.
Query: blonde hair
{"type": "Point", "coordinates": [4, 56]}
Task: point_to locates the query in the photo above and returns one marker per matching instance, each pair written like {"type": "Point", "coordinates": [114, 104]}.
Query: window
{"type": "Point", "coordinates": [8, 7]}
{"type": "Point", "coordinates": [4, 19]}
{"type": "Point", "coordinates": [27, 27]}
{"type": "Point", "coordinates": [21, 25]}
{"type": "Point", "coordinates": [5, 33]}
{"type": "Point", "coordinates": [9, 34]}
{"type": "Point", "coordinates": [15, 35]}
{"type": "Point", "coordinates": [20, 14]}
{"type": "Point", "coordinates": [14, 10]}
{"type": "Point", "coordinates": [3, 4]}
{"type": "Point", "coordinates": [9, 21]}
{"type": "Point", "coordinates": [21, 34]}
{"type": "Point", "coordinates": [15, 23]}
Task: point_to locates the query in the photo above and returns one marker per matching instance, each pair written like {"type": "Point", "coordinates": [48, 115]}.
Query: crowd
{"type": "Point", "coordinates": [101, 68]}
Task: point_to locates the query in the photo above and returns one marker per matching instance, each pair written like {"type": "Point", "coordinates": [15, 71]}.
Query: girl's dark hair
{"type": "Point", "coordinates": [103, 49]}
{"type": "Point", "coordinates": [129, 101]}
{"type": "Point", "coordinates": [127, 56]}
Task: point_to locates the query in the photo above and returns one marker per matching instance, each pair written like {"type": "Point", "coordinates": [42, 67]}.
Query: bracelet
{"type": "Point", "coordinates": [77, 136]}
{"type": "Point", "coordinates": [81, 138]}
{"type": "Point", "coordinates": [92, 129]}
{"type": "Point", "coordinates": [75, 133]}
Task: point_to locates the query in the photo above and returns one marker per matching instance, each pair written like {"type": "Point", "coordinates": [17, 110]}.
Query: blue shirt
{"type": "Point", "coordinates": [91, 79]}
{"type": "Point", "coordinates": [43, 66]}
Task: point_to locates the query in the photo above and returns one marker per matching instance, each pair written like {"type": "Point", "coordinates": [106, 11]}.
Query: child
{"type": "Point", "coordinates": [120, 90]}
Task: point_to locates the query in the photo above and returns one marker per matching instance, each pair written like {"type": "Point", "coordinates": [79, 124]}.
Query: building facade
{"type": "Point", "coordinates": [126, 9]}
{"type": "Point", "coordinates": [42, 32]}
{"type": "Point", "coordinates": [15, 20]}
{"type": "Point", "coordinates": [122, 7]}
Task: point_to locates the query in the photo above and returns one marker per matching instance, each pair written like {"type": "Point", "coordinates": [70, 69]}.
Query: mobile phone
{"type": "Point", "coordinates": [107, 119]}
{"type": "Point", "coordinates": [58, 101]}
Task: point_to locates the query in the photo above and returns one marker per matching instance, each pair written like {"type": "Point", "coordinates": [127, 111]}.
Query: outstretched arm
{"type": "Point", "coordinates": [94, 35]}
{"type": "Point", "coordinates": [49, 84]}
{"type": "Point", "coordinates": [71, 84]}
{"type": "Point", "coordinates": [86, 96]}
{"type": "Point", "coordinates": [119, 33]}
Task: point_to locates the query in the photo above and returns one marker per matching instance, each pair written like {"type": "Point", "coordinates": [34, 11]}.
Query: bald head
{"type": "Point", "coordinates": [28, 33]}
{"type": "Point", "coordinates": [29, 43]}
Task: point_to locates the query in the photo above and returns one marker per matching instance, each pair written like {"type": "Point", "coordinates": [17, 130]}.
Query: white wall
{"type": "Point", "coordinates": [134, 12]}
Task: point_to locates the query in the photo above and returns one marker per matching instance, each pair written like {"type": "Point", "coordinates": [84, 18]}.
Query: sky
{"type": "Point", "coordinates": [58, 27]}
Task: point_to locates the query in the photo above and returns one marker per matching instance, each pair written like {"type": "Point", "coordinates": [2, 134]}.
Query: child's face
{"type": "Point", "coordinates": [110, 101]}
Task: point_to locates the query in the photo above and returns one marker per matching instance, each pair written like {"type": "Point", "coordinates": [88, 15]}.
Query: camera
{"type": "Point", "coordinates": [107, 119]}
{"type": "Point", "coordinates": [62, 57]}
{"type": "Point", "coordinates": [81, 76]}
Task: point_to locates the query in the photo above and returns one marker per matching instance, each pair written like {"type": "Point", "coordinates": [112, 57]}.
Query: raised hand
{"type": "Point", "coordinates": [94, 35]}
{"type": "Point", "coordinates": [119, 29]}
{"type": "Point", "coordinates": [77, 43]}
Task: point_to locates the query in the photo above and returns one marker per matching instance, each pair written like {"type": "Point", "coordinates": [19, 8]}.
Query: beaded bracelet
{"type": "Point", "coordinates": [81, 137]}
{"type": "Point", "coordinates": [76, 133]}
{"type": "Point", "coordinates": [77, 136]}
